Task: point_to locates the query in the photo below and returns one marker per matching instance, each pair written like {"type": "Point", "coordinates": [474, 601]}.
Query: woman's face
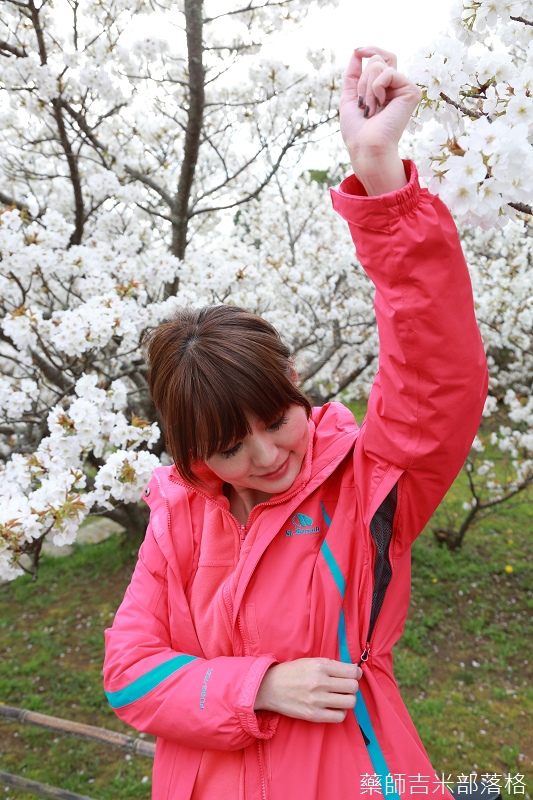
{"type": "Point", "coordinates": [269, 458]}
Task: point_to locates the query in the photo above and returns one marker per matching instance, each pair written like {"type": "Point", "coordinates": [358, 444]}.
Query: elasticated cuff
{"type": "Point", "coordinates": [260, 724]}
{"type": "Point", "coordinates": [351, 201]}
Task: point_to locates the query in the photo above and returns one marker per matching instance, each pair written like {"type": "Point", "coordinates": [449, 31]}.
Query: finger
{"type": "Point", "coordinates": [352, 76]}
{"type": "Point", "coordinates": [340, 669]}
{"type": "Point", "coordinates": [343, 686]}
{"type": "Point", "coordinates": [333, 700]}
{"type": "Point", "coordinates": [390, 83]}
{"type": "Point", "coordinates": [367, 99]}
{"type": "Point", "coordinates": [329, 715]}
{"type": "Point", "coordinates": [354, 69]}
{"type": "Point", "coordinates": [388, 57]}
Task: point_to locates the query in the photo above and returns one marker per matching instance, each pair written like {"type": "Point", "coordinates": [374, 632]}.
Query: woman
{"type": "Point", "coordinates": [255, 637]}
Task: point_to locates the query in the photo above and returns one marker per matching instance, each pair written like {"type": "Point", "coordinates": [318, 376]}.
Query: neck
{"type": "Point", "coordinates": [242, 501]}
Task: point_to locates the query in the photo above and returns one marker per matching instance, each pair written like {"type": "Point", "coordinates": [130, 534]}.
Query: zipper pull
{"type": "Point", "coordinates": [364, 654]}
{"type": "Point", "coordinates": [242, 533]}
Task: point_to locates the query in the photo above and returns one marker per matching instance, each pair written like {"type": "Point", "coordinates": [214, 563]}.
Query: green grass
{"type": "Point", "coordinates": [51, 662]}
{"type": "Point", "coordinates": [464, 664]}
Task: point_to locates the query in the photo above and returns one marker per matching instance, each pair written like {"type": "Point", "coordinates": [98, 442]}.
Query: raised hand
{"type": "Point", "coordinates": [314, 689]}
{"type": "Point", "coordinates": [376, 105]}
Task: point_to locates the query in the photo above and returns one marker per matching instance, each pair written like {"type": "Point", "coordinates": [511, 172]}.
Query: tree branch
{"type": "Point", "coordinates": [53, 374]}
{"type": "Point", "coordinates": [82, 125]}
{"type": "Point", "coordinates": [10, 201]}
{"type": "Point", "coordinates": [75, 179]}
{"type": "Point", "coordinates": [522, 207]}
{"type": "Point", "coordinates": [193, 132]}
{"type": "Point", "coordinates": [72, 160]}
{"type": "Point", "coordinates": [348, 379]}
{"type": "Point", "coordinates": [152, 184]}
{"type": "Point", "coordinates": [522, 19]}
{"type": "Point", "coordinates": [468, 112]}
{"type": "Point", "coordinates": [5, 47]}
{"type": "Point", "coordinates": [257, 191]}
{"type": "Point", "coordinates": [247, 9]}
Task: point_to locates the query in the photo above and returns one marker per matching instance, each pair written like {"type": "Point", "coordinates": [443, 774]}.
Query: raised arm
{"type": "Point", "coordinates": [426, 402]}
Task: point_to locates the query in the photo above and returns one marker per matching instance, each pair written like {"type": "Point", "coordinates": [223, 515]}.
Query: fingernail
{"type": "Point", "coordinates": [367, 111]}
{"type": "Point", "coordinates": [361, 101]}
{"type": "Point", "coordinates": [377, 101]}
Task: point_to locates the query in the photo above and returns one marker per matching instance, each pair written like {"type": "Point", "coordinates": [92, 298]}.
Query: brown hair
{"type": "Point", "coordinates": [210, 370]}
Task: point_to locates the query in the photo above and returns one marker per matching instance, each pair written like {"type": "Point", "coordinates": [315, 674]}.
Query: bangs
{"type": "Point", "coordinates": [218, 406]}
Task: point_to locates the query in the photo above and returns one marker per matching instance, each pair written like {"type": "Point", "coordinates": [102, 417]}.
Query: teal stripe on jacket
{"type": "Point", "coordinates": [362, 716]}
{"type": "Point", "coordinates": [143, 685]}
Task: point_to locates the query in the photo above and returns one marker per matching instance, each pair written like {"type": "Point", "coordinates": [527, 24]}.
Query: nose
{"type": "Point", "coordinates": [264, 451]}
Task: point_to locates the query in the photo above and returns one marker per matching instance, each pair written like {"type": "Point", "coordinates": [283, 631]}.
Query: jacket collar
{"type": "Point", "coordinates": [332, 432]}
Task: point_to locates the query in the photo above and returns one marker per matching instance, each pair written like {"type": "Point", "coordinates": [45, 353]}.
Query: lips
{"type": "Point", "coordinates": [277, 473]}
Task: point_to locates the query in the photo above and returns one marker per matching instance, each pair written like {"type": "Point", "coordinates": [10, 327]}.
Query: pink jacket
{"type": "Point", "coordinates": [302, 573]}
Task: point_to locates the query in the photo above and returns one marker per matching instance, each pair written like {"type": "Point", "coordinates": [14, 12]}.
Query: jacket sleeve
{"type": "Point", "coordinates": [426, 402]}
{"type": "Point", "coordinates": [203, 703]}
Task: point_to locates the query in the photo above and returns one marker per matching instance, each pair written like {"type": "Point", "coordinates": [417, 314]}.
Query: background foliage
{"type": "Point", "coordinates": [139, 172]}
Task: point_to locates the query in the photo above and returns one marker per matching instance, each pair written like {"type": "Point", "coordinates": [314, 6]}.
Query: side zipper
{"type": "Point", "coordinates": [364, 655]}
{"type": "Point", "coordinates": [381, 533]}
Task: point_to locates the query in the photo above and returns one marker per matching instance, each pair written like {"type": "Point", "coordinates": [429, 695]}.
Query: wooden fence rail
{"type": "Point", "coordinates": [120, 741]}
{"type": "Point", "coordinates": [39, 789]}
{"type": "Point", "coordinates": [111, 738]}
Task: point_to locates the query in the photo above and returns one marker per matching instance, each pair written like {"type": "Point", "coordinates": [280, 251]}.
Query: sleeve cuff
{"type": "Point", "coordinates": [260, 724]}
{"type": "Point", "coordinates": [351, 201]}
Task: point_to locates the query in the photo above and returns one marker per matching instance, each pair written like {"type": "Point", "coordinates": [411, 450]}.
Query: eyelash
{"type": "Point", "coordinates": [232, 452]}
{"type": "Point", "coordinates": [276, 426]}
{"type": "Point", "coordinates": [279, 423]}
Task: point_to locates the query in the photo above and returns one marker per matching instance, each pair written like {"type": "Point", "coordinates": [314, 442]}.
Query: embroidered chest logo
{"type": "Point", "coordinates": [302, 525]}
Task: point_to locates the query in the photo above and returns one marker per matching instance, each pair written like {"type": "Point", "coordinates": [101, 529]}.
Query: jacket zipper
{"type": "Point", "coordinates": [260, 755]}
{"type": "Point", "coordinates": [364, 655]}
{"type": "Point", "coordinates": [259, 743]}
{"type": "Point", "coordinates": [241, 527]}
{"type": "Point", "coordinates": [243, 530]}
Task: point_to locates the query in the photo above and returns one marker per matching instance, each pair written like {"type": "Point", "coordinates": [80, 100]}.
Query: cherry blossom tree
{"type": "Point", "coordinates": [499, 468]}
{"type": "Point", "coordinates": [141, 171]}
{"type": "Point", "coordinates": [478, 156]}
{"type": "Point", "coordinates": [135, 171]}
{"type": "Point", "coordinates": [477, 88]}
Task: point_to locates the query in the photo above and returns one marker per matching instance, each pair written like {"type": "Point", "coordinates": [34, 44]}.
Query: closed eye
{"type": "Point", "coordinates": [232, 451]}
{"type": "Point", "coordinates": [274, 426]}
{"type": "Point", "coordinates": [279, 423]}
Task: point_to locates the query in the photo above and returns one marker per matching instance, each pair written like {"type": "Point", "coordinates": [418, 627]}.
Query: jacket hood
{"type": "Point", "coordinates": [332, 432]}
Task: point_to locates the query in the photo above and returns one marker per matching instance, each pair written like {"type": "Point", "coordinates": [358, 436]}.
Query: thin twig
{"type": "Point", "coordinates": [469, 112]}
{"type": "Point", "coordinates": [522, 19]}
{"type": "Point", "coordinates": [522, 207]}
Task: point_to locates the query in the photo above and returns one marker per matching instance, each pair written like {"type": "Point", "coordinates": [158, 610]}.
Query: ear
{"type": "Point", "coordinates": [294, 374]}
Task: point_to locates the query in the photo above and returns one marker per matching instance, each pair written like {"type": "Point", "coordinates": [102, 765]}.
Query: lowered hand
{"type": "Point", "coordinates": [314, 689]}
